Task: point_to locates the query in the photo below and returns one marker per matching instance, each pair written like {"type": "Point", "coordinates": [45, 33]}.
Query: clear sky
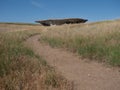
{"type": "Point", "coordinates": [30, 10]}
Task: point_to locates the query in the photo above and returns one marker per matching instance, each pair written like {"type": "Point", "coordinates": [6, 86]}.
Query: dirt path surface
{"type": "Point", "coordinates": [85, 75]}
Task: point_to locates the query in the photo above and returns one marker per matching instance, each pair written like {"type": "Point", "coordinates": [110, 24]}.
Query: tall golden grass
{"type": "Point", "coordinates": [21, 69]}
{"type": "Point", "coordinates": [98, 41]}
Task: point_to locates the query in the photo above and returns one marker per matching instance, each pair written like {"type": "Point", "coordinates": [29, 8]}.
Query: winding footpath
{"type": "Point", "coordinates": [86, 75]}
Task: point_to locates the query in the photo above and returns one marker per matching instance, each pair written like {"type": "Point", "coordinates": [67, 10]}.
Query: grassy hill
{"type": "Point", "coordinates": [20, 67]}
{"type": "Point", "coordinates": [96, 41]}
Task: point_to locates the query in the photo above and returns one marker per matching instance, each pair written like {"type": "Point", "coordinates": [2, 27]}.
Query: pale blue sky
{"type": "Point", "coordinates": [30, 10]}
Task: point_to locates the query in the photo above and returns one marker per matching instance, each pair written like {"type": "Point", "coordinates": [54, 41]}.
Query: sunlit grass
{"type": "Point", "coordinates": [21, 68]}
{"type": "Point", "coordinates": [96, 41]}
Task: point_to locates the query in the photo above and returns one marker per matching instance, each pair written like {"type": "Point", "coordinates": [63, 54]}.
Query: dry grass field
{"type": "Point", "coordinates": [97, 41]}
{"type": "Point", "coordinates": [22, 69]}
{"type": "Point", "coordinates": [18, 27]}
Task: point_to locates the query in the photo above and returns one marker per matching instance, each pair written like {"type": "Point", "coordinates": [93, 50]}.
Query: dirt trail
{"type": "Point", "coordinates": [85, 75]}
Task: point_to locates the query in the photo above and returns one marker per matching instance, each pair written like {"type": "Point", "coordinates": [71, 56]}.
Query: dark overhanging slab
{"type": "Point", "coordinates": [50, 22]}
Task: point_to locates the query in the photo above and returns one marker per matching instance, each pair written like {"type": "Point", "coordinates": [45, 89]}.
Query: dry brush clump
{"type": "Point", "coordinates": [100, 40]}
{"type": "Point", "coordinates": [21, 69]}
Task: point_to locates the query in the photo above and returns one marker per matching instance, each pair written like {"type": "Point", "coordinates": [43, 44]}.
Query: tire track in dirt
{"type": "Point", "coordinates": [85, 75]}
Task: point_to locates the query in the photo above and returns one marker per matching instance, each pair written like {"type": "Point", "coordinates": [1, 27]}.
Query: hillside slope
{"type": "Point", "coordinates": [97, 41]}
{"type": "Point", "coordinates": [85, 75]}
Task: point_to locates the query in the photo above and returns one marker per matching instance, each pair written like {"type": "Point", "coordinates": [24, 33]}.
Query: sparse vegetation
{"type": "Point", "coordinates": [97, 41]}
{"type": "Point", "coordinates": [21, 69]}
{"type": "Point", "coordinates": [16, 23]}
